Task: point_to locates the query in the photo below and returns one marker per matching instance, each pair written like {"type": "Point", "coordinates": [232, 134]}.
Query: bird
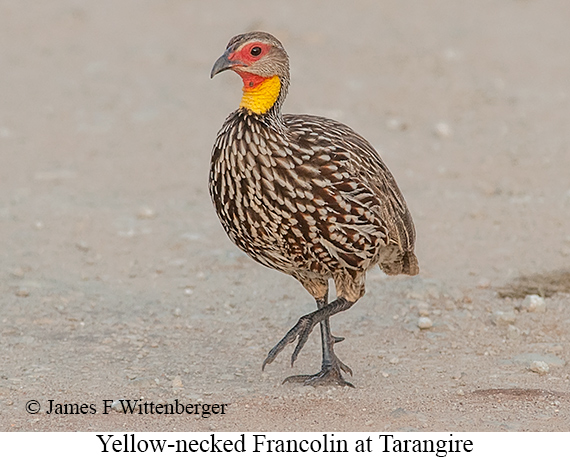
{"type": "Point", "coordinates": [304, 195]}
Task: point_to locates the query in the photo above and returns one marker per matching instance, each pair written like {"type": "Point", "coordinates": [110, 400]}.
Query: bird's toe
{"type": "Point", "coordinates": [326, 377]}
{"type": "Point", "coordinates": [301, 330]}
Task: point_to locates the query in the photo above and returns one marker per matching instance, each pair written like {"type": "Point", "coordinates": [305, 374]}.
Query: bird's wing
{"type": "Point", "coordinates": [356, 172]}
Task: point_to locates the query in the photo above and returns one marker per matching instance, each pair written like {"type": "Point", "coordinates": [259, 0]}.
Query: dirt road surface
{"type": "Point", "coordinates": [117, 281]}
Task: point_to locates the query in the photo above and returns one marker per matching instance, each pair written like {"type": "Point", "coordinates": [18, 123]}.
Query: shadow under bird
{"type": "Point", "coordinates": [305, 195]}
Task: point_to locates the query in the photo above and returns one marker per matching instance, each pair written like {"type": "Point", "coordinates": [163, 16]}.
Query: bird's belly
{"type": "Point", "coordinates": [277, 239]}
{"type": "Point", "coordinates": [258, 230]}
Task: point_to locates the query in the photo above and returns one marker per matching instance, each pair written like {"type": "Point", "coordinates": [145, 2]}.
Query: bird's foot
{"type": "Point", "coordinates": [329, 375]}
{"type": "Point", "coordinates": [301, 330]}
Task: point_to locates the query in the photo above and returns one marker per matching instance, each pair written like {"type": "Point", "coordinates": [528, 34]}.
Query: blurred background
{"type": "Point", "coordinates": [108, 105]}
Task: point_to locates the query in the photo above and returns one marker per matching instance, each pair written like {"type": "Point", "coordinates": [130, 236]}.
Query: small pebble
{"type": "Point", "coordinates": [146, 213]}
{"type": "Point", "coordinates": [177, 382]}
{"type": "Point", "coordinates": [18, 272]}
{"type": "Point", "coordinates": [22, 293]}
{"type": "Point", "coordinates": [82, 246]}
{"type": "Point", "coordinates": [540, 367]}
{"type": "Point", "coordinates": [423, 308]}
{"type": "Point", "coordinates": [425, 323]}
{"type": "Point", "coordinates": [394, 360]}
{"type": "Point", "coordinates": [144, 382]}
{"type": "Point", "coordinates": [484, 283]}
{"type": "Point", "coordinates": [513, 332]}
{"type": "Point", "coordinates": [533, 304]}
{"type": "Point", "coordinates": [117, 406]}
{"type": "Point", "coordinates": [503, 317]}
{"type": "Point", "coordinates": [443, 130]}
{"type": "Point", "coordinates": [416, 295]}
{"type": "Point", "coordinates": [396, 124]}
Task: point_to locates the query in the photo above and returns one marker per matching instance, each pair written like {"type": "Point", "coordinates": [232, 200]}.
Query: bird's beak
{"type": "Point", "coordinates": [224, 63]}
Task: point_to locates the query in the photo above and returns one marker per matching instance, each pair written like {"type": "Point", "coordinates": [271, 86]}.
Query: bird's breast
{"type": "Point", "coordinates": [289, 203]}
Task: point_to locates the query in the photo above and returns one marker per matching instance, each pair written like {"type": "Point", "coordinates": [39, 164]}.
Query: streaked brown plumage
{"type": "Point", "coordinates": [305, 195]}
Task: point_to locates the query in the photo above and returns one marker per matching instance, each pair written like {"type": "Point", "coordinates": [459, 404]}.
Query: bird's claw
{"type": "Point", "coordinates": [329, 375]}
{"type": "Point", "coordinates": [301, 330]}
{"type": "Point", "coordinates": [344, 367]}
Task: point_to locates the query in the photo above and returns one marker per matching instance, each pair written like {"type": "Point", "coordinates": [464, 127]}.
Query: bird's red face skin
{"type": "Point", "coordinates": [248, 55]}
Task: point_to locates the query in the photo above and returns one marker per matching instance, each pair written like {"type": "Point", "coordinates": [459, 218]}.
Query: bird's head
{"type": "Point", "coordinates": [261, 61]}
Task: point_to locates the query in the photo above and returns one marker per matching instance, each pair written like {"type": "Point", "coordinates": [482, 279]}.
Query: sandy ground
{"type": "Point", "coordinates": [117, 281]}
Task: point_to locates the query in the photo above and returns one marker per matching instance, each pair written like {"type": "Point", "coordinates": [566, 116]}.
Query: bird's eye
{"type": "Point", "coordinates": [255, 51]}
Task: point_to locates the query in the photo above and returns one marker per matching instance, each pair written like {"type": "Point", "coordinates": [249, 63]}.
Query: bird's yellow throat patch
{"type": "Point", "coordinates": [260, 98]}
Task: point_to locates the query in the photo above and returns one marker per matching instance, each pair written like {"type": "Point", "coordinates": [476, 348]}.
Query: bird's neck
{"type": "Point", "coordinates": [259, 94]}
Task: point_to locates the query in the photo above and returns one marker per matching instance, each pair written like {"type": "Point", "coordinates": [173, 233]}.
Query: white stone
{"type": "Point", "coordinates": [443, 130]}
{"type": "Point", "coordinates": [503, 317]}
{"type": "Point", "coordinates": [117, 406]}
{"type": "Point", "coordinates": [534, 304]}
{"type": "Point", "coordinates": [146, 212]}
{"type": "Point", "coordinates": [396, 124]}
{"type": "Point", "coordinates": [423, 308]}
{"type": "Point", "coordinates": [540, 367]}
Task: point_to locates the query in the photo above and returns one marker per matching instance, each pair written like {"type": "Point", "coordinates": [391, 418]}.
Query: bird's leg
{"type": "Point", "coordinates": [331, 363]}
{"type": "Point", "coordinates": [332, 367]}
{"type": "Point", "coordinates": [303, 329]}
